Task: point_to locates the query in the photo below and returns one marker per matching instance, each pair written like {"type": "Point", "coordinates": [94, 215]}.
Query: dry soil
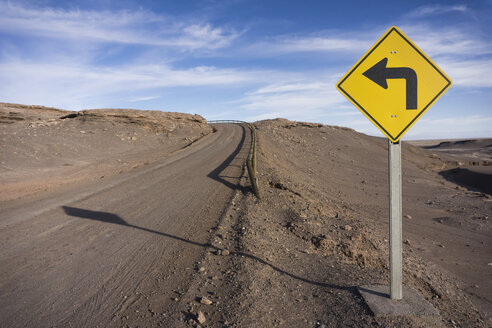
{"type": "Point", "coordinates": [293, 259]}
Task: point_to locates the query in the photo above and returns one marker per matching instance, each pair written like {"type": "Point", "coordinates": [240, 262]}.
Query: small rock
{"type": "Point", "coordinates": [407, 242]}
{"type": "Point", "coordinates": [441, 245]}
{"type": "Point", "coordinates": [408, 216]}
{"type": "Point", "coordinates": [205, 301]}
{"type": "Point", "coordinates": [347, 228]}
{"type": "Point", "coordinates": [225, 252]}
{"type": "Point", "coordinates": [489, 264]}
{"type": "Point", "coordinates": [201, 269]}
{"type": "Point", "coordinates": [201, 317]}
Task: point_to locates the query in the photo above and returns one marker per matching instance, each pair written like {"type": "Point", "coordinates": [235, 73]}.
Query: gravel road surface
{"type": "Point", "coordinates": [83, 255]}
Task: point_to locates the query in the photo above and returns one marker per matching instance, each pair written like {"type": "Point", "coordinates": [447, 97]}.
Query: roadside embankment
{"type": "Point", "coordinates": [45, 148]}
{"type": "Point", "coordinates": [295, 258]}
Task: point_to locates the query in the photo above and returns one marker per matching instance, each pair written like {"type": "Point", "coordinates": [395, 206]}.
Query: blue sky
{"type": "Point", "coordinates": [246, 60]}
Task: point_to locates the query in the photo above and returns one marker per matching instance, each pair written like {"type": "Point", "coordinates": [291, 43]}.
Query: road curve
{"type": "Point", "coordinates": [81, 257]}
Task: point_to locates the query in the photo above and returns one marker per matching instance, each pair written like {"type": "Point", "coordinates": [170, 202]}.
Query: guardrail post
{"type": "Point", "coordinates": [254, 151]}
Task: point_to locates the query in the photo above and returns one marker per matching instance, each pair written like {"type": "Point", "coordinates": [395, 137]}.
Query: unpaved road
{"type": "Point", "coordinates": [84, 255]}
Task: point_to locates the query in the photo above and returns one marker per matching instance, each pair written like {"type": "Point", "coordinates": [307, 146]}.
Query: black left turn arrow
{"type": "Point", "coordinates": [379, 73]}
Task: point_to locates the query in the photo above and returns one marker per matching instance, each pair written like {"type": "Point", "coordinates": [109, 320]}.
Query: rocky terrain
{"type": "Point", "coordinates": [44, 148]}
{"type": "Point", "coordinates": [321, 229]}
{"type": "Point", "coordinates": [295, 258]}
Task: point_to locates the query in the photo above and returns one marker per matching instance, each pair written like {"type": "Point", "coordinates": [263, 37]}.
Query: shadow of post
{"type": "Point", "coordinates": [115, 219]}
{"type": "Point", "coordinates": [216, 173]}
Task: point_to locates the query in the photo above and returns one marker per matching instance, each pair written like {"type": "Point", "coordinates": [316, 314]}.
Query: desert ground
{"type": "Point", "coordinates": [203, 251]}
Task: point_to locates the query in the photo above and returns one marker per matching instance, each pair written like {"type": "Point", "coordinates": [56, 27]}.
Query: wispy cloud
{"type": "Point", "coordinates": [291, 87]}
{"type": "Point", "coordinates": [434, 40]}
{"type": "Point", "coordinates": [295, 44]}
{"type": "Point", "coordinates": [468, 73]}
{"type": "Point", "coordinates": [473, 126]}
{"type": "Point", "coordinates": [438, 41]}
{"type": "Point", "coordinates": [438, 9]}
{"type": "Point", "coordinates": [126, 27]}
{"type": "Point", "coordinates": [140, 99]}
{"type": "Point", "coordinates": [314, 99]}
{"type": "Point", "coordinates": [462, 54]}
{"type": "Point", "coordinates": [74, 85]}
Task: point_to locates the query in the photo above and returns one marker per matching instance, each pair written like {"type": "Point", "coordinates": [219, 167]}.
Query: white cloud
{"type": "Point", "coordinates": [324, 44]}
{"type": "Point", "coordinates": [468, 73]}
{"type": "Point", "coordinates": [126, 27]}
{"type": "Point", "coordinates": [461, 54]}
{"type": "Point", "coordinates": [311, 100]}
{"type": "Point", "coordinates": [71, 85]}
{"type": "Point", "coordinates": [473, 126]}
{"type": "Point", "coordinates": [447, 41]}
{"type": "Point", "coordinates": [434, 41]}
{"type": "Point", "coordinates": [297, 44]}
{"type": "Point", "coordinates": [292, 87]}
{"type": "Point", "coordinates": [144, 98]}
{"type": "Point", "coordinates": [438, 9]}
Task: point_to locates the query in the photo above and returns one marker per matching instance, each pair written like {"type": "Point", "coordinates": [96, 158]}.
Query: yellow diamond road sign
{"type": "Point", "coordinates": [394, 84]}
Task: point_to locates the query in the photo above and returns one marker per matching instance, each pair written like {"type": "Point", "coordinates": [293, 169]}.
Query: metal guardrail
{"type": "Point", "coordinates": [251, 160]}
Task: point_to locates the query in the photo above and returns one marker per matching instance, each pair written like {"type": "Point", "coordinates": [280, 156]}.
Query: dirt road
{"type": "Point", "coordinates": [84, 255]}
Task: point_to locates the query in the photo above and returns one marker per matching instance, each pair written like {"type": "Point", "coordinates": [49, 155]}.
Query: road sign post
{"type": "Point", "coordinates": [395, 224]}
{"type": "Point", "coordinates": [393, 85]}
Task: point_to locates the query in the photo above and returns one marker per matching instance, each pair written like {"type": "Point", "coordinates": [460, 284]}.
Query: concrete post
{"type": "Point", "coordinates": [395, 214]}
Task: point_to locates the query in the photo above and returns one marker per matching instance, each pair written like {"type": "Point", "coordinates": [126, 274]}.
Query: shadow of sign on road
{"type": "Point", "coordinates": [116, 219]}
